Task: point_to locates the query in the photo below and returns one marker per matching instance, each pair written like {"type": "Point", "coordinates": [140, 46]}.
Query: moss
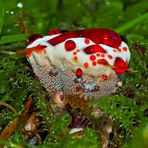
{"type": "Point", "coordinates": [128, 108]}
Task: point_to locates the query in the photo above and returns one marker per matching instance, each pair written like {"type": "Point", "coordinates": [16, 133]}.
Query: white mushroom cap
{"type": "Point", "coordinates": [93, 64]}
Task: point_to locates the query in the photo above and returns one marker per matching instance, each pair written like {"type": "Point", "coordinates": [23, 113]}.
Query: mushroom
{"type": "Point", "coordinates": [82, 62]}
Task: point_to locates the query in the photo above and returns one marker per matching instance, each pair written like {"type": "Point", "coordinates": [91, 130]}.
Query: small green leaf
{"type": "Point", "coordinates": [13, 38]}
{"type": "Point", "coordinates": [132, 23]}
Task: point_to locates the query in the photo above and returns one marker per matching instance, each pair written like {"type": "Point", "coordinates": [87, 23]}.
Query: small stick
{"type": "Point", "coordinates": [8, 106]}
{"type": "Point", "coordinates": [7, 52]}
{"type": "Point", "coordinates": [31, 49]}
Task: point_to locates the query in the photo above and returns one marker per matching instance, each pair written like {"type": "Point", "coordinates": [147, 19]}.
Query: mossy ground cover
{"type": "Point", "coordinates": [21, 94]}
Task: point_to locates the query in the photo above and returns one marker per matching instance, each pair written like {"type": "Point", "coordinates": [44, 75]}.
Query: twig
{"type": "Point", "coordinates": [7, 52]}
{"type": "Point", "coordinates": [8, 106]}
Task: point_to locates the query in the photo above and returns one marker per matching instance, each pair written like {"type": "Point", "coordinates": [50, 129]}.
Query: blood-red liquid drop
{"type": "Point", "coordinates": [53, 32]}
{"type": "Point", "coordinates": [120, 66]}
{"type": "Point", "coordinates": [98, 36]}
{"type": "Point", "coordinates": [102, 62]}
{"type": "Point", "coordinates": [70, 45]}
{"type": "Point", "coordinates": [104, 77]}
{"type": "Point", "coordinates": [92, 57]}
{"type": "Point", "coordinates": [94, 49]}
{"type": "Point", "coordinates": [33, 37]}
{"type": "Point", "coordinates": [79, 72]}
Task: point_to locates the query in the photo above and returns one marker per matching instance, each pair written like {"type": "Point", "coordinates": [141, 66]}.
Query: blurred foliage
{"type": "Point", "coordinates": [1, 16]}
{"type": "Point", "coordinates": [128, 108]}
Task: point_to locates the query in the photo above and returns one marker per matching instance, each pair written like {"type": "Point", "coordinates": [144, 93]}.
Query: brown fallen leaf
{"type": "Point", "coordinates": [9, 129]}
{"type": "Point", "coordinates": [26, 110]}
{"type": "Point", "coordinates": [12, 125]}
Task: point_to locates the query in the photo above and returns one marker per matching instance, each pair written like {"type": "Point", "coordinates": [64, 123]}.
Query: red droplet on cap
{"type": "Point", "coordinates": [79, 72]}
{"type": "Point", "coordinates": [98, 36]}
{"type": "Point", "coordinates": [94, 49]}
{"type": "Point", "coordinates": [39, 48]}
{"type": "Point", "coordinates": [120, 66]}
{"type": "Point", "coordinates": [70, 45]}
{"type": "Point", "coordinates": [28, 54]}
{"type": "Point", "coordinates": [54, 31]}
{"type": "Point", "coordinates": [92, 57]}
{"type": "Point", "coordinates": [94, 63]}
{"type": "Point", "coordinates": [74, 53]}
{"type": "Point", "coordinates": [110, 56]}
{"type": "Point", "coordinates": [112, 39]}
{"type": "Point", "coordinates": [33, 37]}
{"type": "Point", "coordinates": [119, 49]}
{"type": "Point", "coordinates": [102, 61]}
{"type": "Point", "coordinates": [86, 65]}
{"type": "Point", "coordinates": [98, 54]}
{"type": "Point", "coordinates": [102, 55]}
{"type": "Point", "coordinates": [104, 77]}
{"type": "Point", "coordinates": [86, 40]}
{"type": "Point", "coordinates": [125, 48]}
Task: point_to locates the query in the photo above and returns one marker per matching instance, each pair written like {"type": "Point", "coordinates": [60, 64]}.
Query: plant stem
{"type": "Point", "coordinates": [132, 23]}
